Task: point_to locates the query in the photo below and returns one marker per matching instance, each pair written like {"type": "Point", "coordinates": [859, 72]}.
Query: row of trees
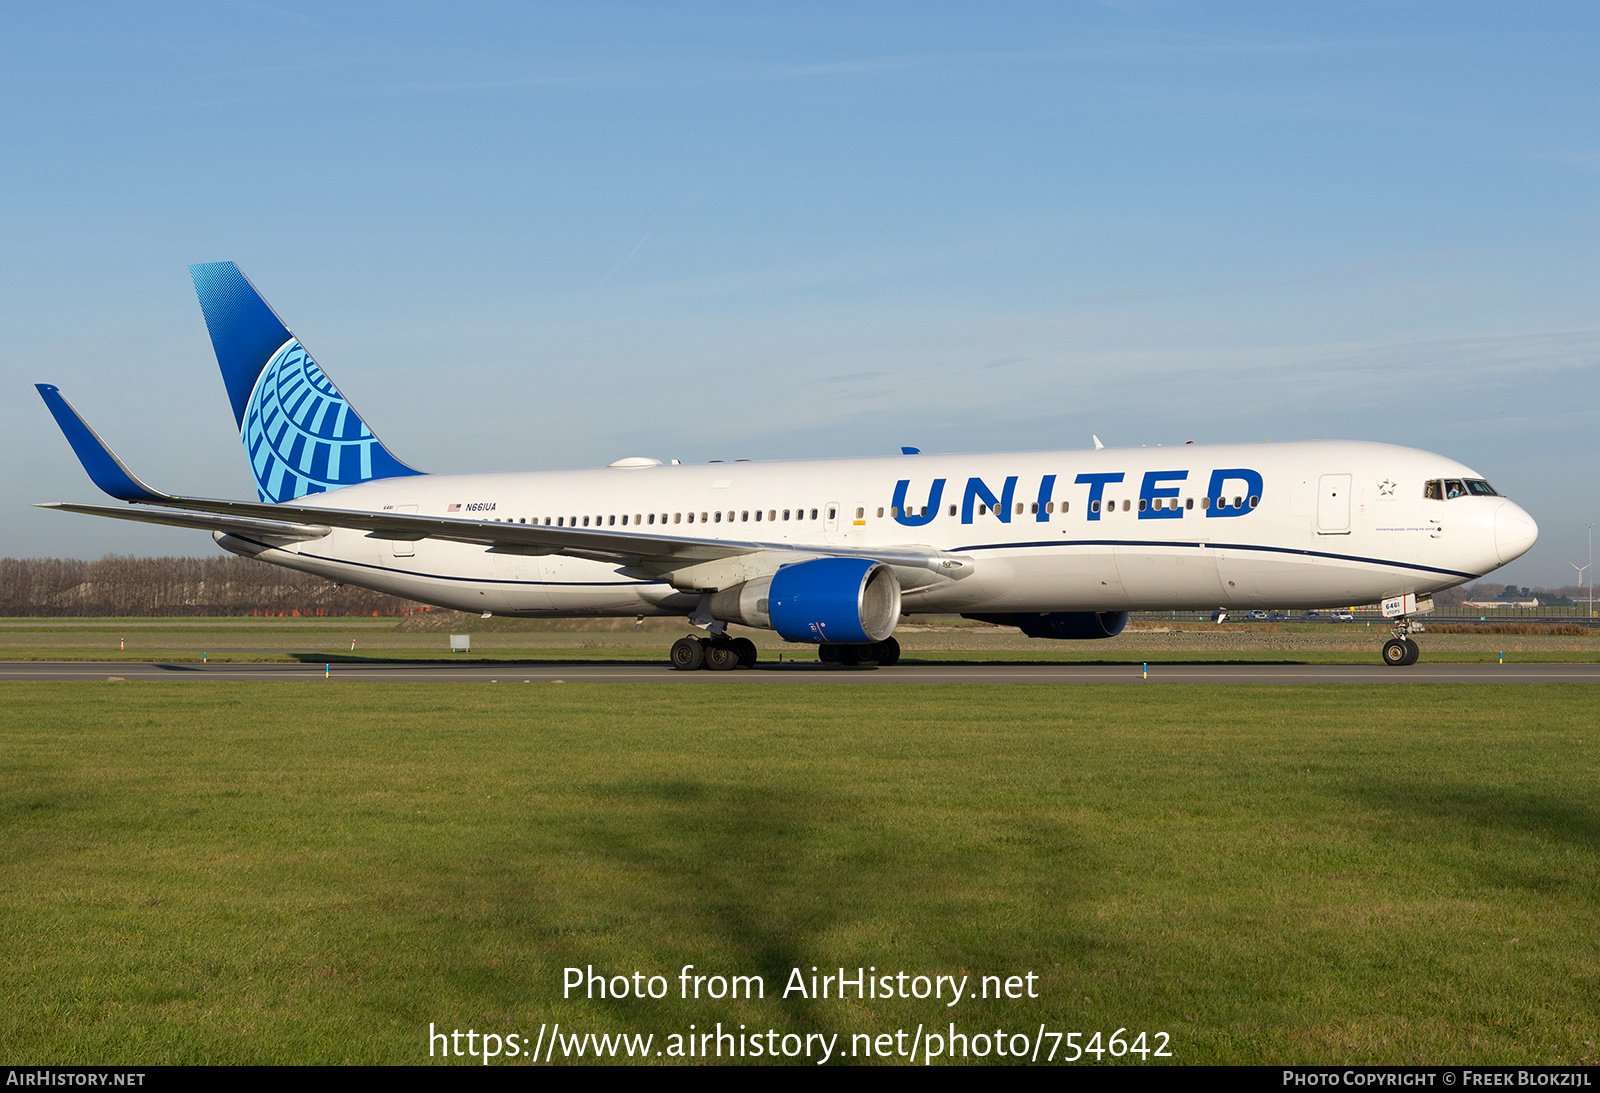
{"type": "Point", "coordinates": [127, 586]}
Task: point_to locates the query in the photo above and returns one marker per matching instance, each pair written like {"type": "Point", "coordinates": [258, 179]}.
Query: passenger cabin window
{"type": "Point", "coordinates": [861, 514]}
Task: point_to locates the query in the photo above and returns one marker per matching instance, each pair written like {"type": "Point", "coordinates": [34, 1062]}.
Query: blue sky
{"type": "Point", "coordinates": [550, 235]}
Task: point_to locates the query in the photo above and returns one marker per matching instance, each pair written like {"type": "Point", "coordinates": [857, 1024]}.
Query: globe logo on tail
{"type": "Point", "coordinates": [301, 434]}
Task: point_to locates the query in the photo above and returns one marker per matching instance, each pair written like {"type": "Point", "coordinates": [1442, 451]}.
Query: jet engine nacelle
{"type": "Point", "coordinates": [1070, 625]}
{"type": "Point", "coordinates": [843, 601]}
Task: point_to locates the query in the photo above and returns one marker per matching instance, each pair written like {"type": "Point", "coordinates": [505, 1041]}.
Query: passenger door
{"type": "Point", "coordinates": [1333, 505]}
{"type": "Point", "coordinates": [405, 548]}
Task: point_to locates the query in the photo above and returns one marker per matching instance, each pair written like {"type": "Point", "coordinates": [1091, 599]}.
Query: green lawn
{"type": "Point", "coordinates": [314, 872]}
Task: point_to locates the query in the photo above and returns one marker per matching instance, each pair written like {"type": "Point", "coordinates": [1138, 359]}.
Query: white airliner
{"type": "Point", "coordinates": [1062, 544]}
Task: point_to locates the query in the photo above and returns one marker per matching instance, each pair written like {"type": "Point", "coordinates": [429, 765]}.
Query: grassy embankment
{"type": "Point", "coordinates": [281, 873]}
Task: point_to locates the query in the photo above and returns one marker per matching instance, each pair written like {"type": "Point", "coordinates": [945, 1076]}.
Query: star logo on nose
{"type": "Point", "coordinates": [1386, 488]}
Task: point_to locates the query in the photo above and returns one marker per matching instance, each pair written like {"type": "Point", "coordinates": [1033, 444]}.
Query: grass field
{"type": "Point", "coordinates": [303, 873]}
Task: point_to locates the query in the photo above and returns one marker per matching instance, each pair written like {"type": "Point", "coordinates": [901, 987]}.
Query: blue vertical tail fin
{"type": "Point", "coordinates": [302, 436]}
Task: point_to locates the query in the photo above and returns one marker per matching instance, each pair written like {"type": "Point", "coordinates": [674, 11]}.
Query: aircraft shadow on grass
{"type": "Point", "coordinates": [745, 879]}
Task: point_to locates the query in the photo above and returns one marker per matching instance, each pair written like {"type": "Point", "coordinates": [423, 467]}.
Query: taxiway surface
{"type": "Point", "coordinates": [444, 672]}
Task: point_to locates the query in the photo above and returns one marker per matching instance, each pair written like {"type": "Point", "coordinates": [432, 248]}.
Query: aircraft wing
{"type": "Point", "coordinates": [232, 525]}
{"type": "Point", "coordinates": [300, 521]}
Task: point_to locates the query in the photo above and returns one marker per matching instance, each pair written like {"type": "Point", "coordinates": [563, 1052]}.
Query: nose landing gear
{"type": "Point", "coordinates": [1400, 651]}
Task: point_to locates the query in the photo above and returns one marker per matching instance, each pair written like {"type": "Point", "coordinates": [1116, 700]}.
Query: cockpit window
{"type": "Point", "coordinates": [1444, 489]}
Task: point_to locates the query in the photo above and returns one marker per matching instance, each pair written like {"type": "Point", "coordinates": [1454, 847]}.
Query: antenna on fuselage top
{"type": "Point", "coordinates": [1097, 444]}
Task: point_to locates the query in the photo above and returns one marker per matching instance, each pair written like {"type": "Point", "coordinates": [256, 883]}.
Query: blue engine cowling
{"type": "Point", "coordinates": [1069, 625]}
{"type": "Point", "coordinates": [845, 601]}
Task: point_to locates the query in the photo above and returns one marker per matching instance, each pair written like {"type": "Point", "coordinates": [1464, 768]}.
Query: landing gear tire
{"type": "Point", "coordinates": [688, 655]}
{"type": "Point", "coordinates": [889, 653]}
{"type": "Point", "coordinates": [1401, 652]}
{"type": "Point", "coordinates": [830, 654]}
{"type": "Point", "coordinates": [722, 656]}
{"type": "Point", "coordinates": [747, 652]}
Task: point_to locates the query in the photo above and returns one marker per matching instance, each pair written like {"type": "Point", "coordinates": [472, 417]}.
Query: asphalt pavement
{"type": "Point", "coordinates": [772, 672]}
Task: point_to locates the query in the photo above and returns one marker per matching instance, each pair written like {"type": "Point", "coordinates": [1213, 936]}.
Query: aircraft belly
{"type": "Point", "coordinates": [1169, 578]}
{"type": "Point", "coordinates": [1067, 578]}
{"type": "Point", "coordinates": [578, 587]}
{"type": "Point", "coordinates": [1264, 579]}
{"type": "Point", "coordinates": [521, 586]}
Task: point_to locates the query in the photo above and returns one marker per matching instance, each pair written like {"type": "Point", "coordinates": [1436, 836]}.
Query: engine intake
{"type": "Point", "coordinates": [846, 601]}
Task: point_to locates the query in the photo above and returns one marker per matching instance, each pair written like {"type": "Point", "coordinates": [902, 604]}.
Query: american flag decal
{"type": "Point", "coordinates": [453, 508]}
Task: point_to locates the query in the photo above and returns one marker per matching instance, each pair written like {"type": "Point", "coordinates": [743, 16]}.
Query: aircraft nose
{"type": "Point", "coordinates": [1514, 532]}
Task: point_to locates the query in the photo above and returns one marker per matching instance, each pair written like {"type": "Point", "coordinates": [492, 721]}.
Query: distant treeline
{"type": "Point", "coordinates": [1453, 599]}
{"type": "Point", "coordinates": [126, 586]}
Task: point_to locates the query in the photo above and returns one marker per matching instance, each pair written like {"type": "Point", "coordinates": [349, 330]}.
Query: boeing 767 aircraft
{"type": "Point", "coordinates": [831, 552]}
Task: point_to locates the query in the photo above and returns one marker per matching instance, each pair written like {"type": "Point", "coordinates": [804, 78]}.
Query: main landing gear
{"type": "Point", "coordinates": [724, 654]}
{"type": "Point", "coordinates": [1400, 651]}
{"type": "Point", "coordinates": [881, 654]}
{"type": "Point", "coordinates": [721, 654]}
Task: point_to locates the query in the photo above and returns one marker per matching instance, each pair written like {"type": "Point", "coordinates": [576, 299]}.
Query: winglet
{"type": "Point", "coordinates": [107, 471]}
